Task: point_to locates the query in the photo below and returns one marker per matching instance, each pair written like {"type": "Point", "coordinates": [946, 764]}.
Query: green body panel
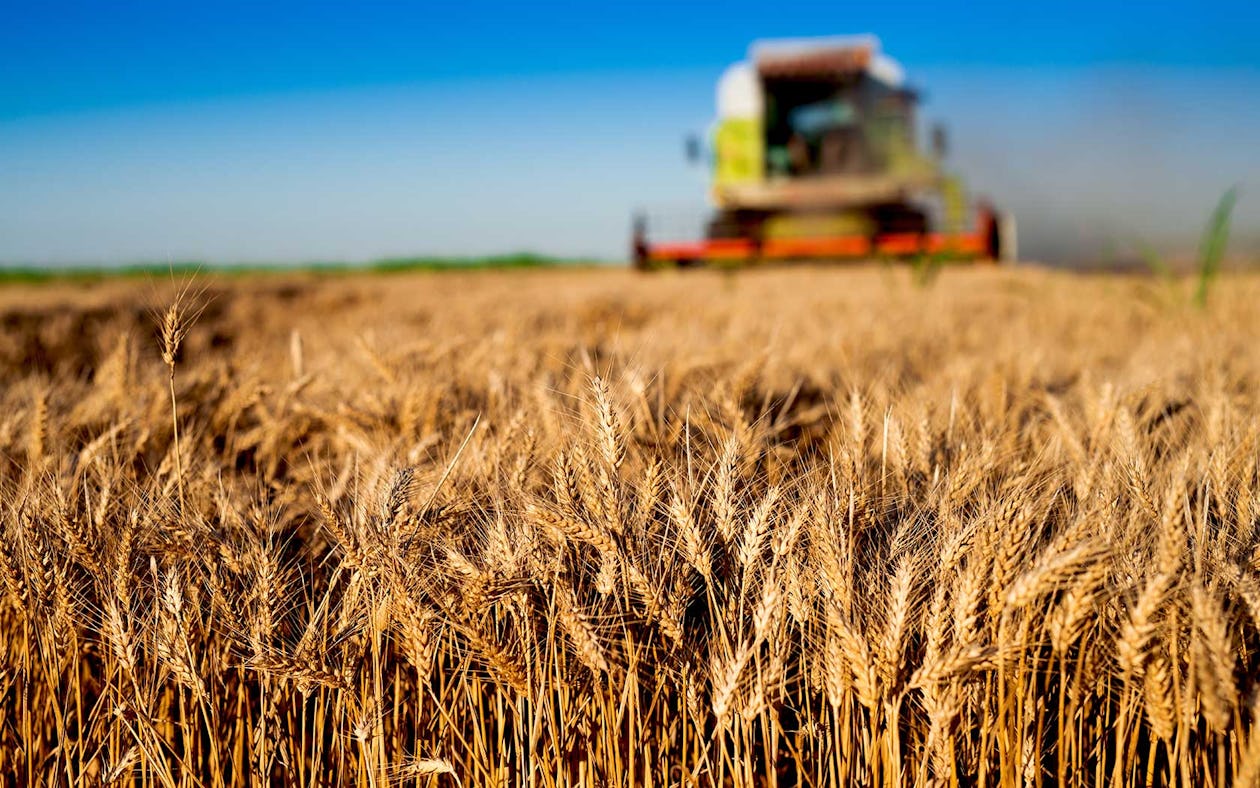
{"type": "Point", "coordinates": [738, 154]}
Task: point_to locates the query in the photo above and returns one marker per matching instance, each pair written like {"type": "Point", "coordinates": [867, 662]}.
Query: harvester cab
{"type": "Point", "coordinates": [815, 155]}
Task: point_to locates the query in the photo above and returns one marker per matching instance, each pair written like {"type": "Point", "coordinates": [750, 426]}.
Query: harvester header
{"type": "Point", "coordinates": [814, 154]}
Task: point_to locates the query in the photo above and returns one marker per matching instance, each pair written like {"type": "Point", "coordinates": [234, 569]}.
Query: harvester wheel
{"type": "Point", "coordinates": [1001, 243]}
{"type": "Point", "coordinates": [997, 231]}
{"type": "Point", "coordinates": [1008, 240]}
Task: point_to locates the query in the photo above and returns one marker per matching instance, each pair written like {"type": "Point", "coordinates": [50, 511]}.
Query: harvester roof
{"type": "Point", "coordinates": [740, 91]}
{"type": "Point", "coordinates": [825, 56]}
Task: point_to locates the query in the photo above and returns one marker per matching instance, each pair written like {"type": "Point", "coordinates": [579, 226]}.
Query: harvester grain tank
{"type": "Point", "coordinates": [815, 155]}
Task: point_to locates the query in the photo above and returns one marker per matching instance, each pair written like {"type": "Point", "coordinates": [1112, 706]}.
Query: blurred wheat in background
{"type": "Point", "coordinates": [584, 528]}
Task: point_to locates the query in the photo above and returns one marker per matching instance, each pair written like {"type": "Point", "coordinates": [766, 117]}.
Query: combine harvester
{"type": "Point", "coordinates": [815, 156]}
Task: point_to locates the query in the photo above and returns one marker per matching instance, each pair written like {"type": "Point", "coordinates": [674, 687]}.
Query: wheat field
{"type": "Point", "coordinates": [551, 528]}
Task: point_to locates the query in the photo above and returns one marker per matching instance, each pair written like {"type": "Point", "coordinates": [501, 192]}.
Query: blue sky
{"type": "Point", "coordinates": [300, 131]}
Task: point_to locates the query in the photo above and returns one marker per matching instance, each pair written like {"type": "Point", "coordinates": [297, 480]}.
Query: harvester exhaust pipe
{"type": "Point", "coordinates": [940, 142]}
